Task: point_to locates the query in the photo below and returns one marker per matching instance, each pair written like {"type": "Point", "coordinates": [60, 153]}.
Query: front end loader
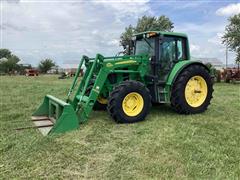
{"type": "Point", "coordinates": [158, 70]}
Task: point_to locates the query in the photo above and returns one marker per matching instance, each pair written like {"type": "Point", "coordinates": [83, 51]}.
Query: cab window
{"type": "Point", "coordinates": [172, 49]}
{"type": "Point", "coordinates": [145, 46]}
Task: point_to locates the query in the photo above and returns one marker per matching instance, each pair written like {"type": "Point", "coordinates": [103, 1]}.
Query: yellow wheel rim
{"type": "Point", "coordinates": [102, 100]}
{"type": "Point", "coordinates": [196, 91]}
{"type": "Point", "coordinates": [132, 104]}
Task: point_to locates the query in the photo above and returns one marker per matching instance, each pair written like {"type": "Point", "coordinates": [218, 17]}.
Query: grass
{"type": "Point", "coordinates": [166, 145]}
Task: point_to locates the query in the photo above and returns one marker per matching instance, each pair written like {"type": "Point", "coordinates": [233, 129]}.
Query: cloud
{"type": "Point", "coordinates": [217, 39]}
{"type": "Point", "coordinates": [63, 31]}
{"type": "Point", "coordinates": [124, 10]}
{"type": "Point", "coordinates": [113, 42]}
{"type": "Point", "coordinates": [229, 10]}
{"type": "Point", "coordinates": [194, 48]}
{"type": "Point", "coordinates": [12, 1]}
{"type": "Point", "coordinates": [126, 7]}
{"type": "Point", "coordinates": [202, 28]}
{"type": "Point", "coordinates": [174, 5]}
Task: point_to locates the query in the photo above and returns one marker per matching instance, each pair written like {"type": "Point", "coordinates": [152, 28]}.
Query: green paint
{"type": "Point", "coordinates": [176, 69]}
{"type": "Point", "coordinates": [161, 33]}
{"type": "Point", "coordinates": [65, 116]}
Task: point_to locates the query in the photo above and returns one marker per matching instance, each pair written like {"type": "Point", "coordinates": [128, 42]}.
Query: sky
{"type": "Point", "coordinates": [64, 30]}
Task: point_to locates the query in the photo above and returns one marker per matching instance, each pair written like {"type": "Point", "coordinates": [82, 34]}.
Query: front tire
{"type": "Point", "coordinates": [192, 90]}
{"type": "Point", "coordinates": [129, 102]}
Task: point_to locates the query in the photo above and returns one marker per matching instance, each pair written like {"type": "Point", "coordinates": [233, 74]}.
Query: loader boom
{"type": "Point", "coordinates": [80, 106]}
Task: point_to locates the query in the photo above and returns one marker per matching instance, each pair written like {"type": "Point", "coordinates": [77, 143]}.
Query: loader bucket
{"type": "Point", "coordinates": [55, 116]}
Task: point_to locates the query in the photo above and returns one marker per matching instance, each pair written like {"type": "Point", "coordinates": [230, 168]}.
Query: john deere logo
{"type": "Point", "coordinates": [109, 65]}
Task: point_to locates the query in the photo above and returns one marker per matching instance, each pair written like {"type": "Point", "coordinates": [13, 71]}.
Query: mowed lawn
{"type": "Point", "coordinates": [165, 145]}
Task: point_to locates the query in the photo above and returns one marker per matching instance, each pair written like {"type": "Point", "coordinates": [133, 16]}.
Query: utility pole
{"type": "Point", "coordinates": [226, 57]}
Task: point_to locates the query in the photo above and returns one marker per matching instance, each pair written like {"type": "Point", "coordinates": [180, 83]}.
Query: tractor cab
{"type": "Point", "coordinates": [165, 49]}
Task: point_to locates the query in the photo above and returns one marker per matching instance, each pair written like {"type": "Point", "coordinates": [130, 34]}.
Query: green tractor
{"type": "Point", "coordinates": [158, 71]}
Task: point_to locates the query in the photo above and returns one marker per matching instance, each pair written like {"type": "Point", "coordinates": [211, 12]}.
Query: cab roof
{"type": "Point", "coordinates": [160, 33]}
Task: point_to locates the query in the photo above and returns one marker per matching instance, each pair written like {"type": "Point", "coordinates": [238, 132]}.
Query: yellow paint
{"type": "Point", "coordinates": [133, 104]}
{"type": "Point", "coordinates": [196, 91]}
{"type": "Point", "coordinates": [102, 100]}
{"type": "Point", "coordinates": [126, 62]}
{"type": "Point", "coordinates": [109, 64]}
{"type": "Point", "coordinates": [96, 91]}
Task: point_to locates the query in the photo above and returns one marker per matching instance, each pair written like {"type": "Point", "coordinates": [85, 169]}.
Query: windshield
{"type": "Point", "coordinates": [145, 46]}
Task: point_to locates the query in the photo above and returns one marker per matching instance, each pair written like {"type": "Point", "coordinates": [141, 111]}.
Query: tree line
{"type": "Point", "coordinates": [9, 63]}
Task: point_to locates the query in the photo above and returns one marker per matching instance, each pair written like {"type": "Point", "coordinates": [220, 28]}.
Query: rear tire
{"type": "Point", "coordinates": [129, 102]}
{"type": "Point", "coordinates": [197, 99]}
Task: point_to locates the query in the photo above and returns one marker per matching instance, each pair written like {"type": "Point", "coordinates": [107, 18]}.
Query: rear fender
{"type": "Point", "coordinates": [179, 67]}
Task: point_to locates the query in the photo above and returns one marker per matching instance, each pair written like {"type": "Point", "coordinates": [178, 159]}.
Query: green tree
{"type": "Point", "coordinates": [8, 61]}
{"type": "Point", "coordinates": [238, 56]}
{"type": "Point", "coordinates": [231, 37]}
{"type": "Point", "coordinates": [5, 53]}
{"type": "Point", "coordinates": [46, 65]}
{"type": "Point", "coordinates": [145, 23]}
{"type": "Point", "coordinates": [126, 36]}
{"type": "Point", "coordinates": [151, 23]}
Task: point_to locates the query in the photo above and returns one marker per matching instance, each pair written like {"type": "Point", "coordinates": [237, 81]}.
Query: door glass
{"type": "Point", "coordinates": [179, 50]}
{"type": "Point", "coordinates": [167, 52]}
{"type": "Point", "coordinates": [172, 49]}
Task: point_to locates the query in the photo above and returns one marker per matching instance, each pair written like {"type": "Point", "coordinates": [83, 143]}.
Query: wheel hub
{"type": "Point", "coordinates": [196, 91]}
{"type": "Point", "coordinates": [132, 104]}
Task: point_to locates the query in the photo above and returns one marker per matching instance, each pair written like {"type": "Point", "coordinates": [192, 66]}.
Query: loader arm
{"type": "Point", "coordinates": [60, 116]}
{"type": "Point", "coordinates": [83, 103]}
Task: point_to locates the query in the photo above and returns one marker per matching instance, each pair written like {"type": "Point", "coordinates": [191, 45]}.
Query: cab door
{"type": "Point", "coordinates": [171, 50]}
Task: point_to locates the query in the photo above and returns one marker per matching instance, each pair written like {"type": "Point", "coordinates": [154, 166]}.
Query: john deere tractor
{"type": "Point", "coordinates": [159, 70]}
